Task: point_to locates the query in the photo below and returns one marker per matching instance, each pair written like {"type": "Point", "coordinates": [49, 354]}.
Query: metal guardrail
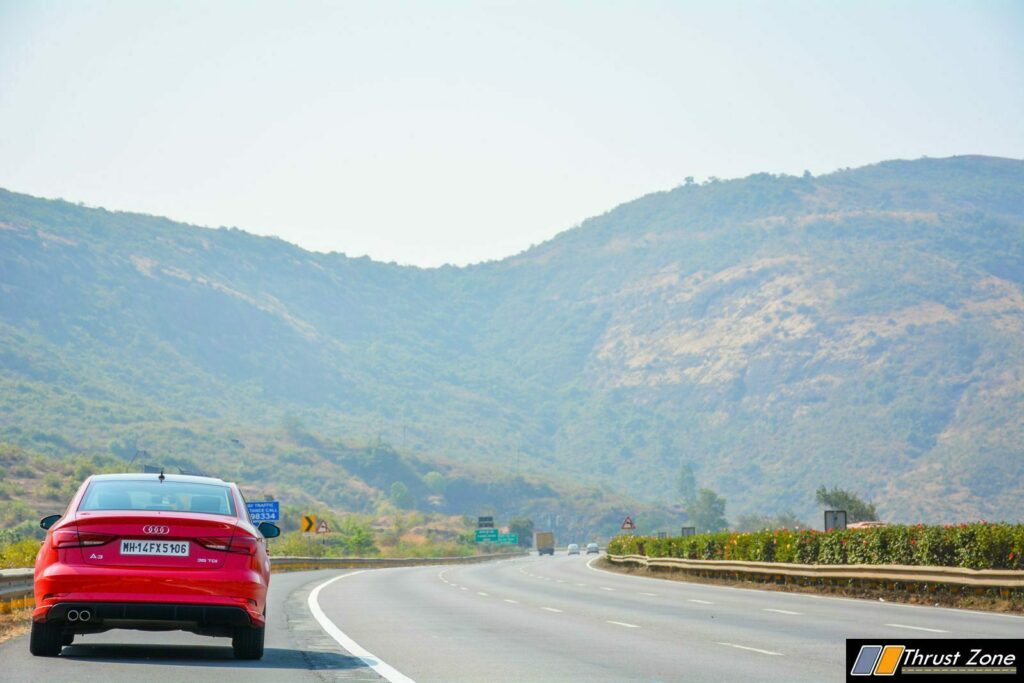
{"type": "Point", "coordinates": [888, 573]}
{"type": "Point", "coordinates": [16, 584]}
{"type": "Point", "coordinates": [15, 589]}
{"type": "Point", "coordinates": [291, 564]}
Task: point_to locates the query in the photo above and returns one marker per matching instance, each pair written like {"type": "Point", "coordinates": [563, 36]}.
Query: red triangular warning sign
{"type": "Point", "coordinates": [323, 528]}
{"type": "Point", "coordinates": [628, 523]}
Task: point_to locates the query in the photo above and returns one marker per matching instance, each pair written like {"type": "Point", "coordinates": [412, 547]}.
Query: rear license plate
{"type": "Point", "coordinates": [161, 548]}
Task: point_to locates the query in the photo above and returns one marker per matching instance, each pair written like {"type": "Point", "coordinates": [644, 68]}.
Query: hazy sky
{"type": "Point", "coordinates": [435, 132]}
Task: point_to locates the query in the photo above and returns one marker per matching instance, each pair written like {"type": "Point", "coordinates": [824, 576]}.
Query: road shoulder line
{"type": "Point", "coordinates": [383, 669]}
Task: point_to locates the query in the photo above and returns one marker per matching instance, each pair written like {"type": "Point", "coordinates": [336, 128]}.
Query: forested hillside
{"type": "Point", "coordinates": [862, 329]}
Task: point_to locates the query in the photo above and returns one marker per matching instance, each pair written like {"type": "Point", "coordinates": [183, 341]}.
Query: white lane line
{"type": "Point", "coordinates": [481, 593]}
{"type": "Point", "coordinates": [581, 584]}
{"type": "Point", "coordinates": [622, 623]}
{"type": "Point", "coordinates": [653, 595]}
{"type": "Point", "coordinates": [514, 602]}
{"type": "Point", "coordinates": [918, 628]}
{"type": "Point", "coordinates": [559, 581]}
{"type": "Point", "coordinates": [383, 669]}
{"type": "Point", "coordinates": [606, 588]}
{"type": "Point", "coordinates": [551, 609]}
{"type": "Point", "coordinates": [779, 611]}
{"type": "Point", "coordinates": [752, 649]}
{"type": "Point", "coordinates": [700, 602]}
{"type": "Point", "coordinates": [463, 588]}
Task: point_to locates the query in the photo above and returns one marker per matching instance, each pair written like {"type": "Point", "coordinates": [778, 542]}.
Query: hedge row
{"type": "Point", "coordinates": [981, 545]}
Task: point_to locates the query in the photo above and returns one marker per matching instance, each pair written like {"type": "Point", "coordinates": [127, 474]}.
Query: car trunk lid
{"type": "Point", "coordinates": [155, 539]}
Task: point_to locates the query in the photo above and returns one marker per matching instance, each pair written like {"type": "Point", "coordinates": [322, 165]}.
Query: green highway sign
{"type": "Point", "coordinates": [486, 535]}
{"type": "Point", "coordinates": [509, 539]}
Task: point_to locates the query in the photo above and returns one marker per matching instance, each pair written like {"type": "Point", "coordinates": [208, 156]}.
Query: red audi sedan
{"type": "Point", "coordinates": [155, 553]}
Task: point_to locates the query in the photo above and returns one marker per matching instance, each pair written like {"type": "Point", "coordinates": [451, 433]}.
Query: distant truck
{"type": "Point", "coordinates": [545, 542]}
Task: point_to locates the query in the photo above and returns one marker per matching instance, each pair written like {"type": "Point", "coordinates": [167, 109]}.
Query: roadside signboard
{"type": "Point", "coordinates": [323, 528]}
{"type": "Point", "coordinates": [308, 524]}
{"type": "Point", "coordinates": [508, 539]}
{"type": "Point", "coordinates": [265, 511]}
{"type": "Point", "coordinates": [835, 519]}
{"type": "Point", "coordinates": [662, 534]}
{"type": "Point", "coordinates": [485, 522]}
{"type": "Point", "coordinates": [627, 524]}
{"type": "Point", "coordinates": [486, 535]}
{"type": "Point", "coordinates": [688, 531]}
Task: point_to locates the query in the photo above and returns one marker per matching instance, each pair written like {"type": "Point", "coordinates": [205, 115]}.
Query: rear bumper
{"type": "Point", "coordinates": [242, 590]}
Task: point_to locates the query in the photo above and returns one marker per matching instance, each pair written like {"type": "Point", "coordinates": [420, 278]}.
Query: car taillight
{"type": "Point", "coordinates": [215, 543]}
{"type": "Point", "coordinates": [70, 538]}
{"type": "Point", "coordinates": [238, 544]}
{"type": "Point", "coordinates": [244, 545]}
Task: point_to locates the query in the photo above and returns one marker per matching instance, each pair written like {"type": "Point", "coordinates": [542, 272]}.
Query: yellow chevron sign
{"type": "Point", "coordinates": [308, 524]}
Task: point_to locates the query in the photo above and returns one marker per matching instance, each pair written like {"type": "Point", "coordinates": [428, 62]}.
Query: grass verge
{"type": "Point", "coordinates": [14, 624]}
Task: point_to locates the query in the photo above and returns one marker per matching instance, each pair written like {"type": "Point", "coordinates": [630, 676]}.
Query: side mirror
{"type": "Point", "coordinates": [269, 530]}
{"type": "Point", "coordinates": [47, 522]}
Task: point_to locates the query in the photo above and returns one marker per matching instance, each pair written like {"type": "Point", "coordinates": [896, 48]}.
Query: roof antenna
{"type": "Point", "coordinates": [161, 477]}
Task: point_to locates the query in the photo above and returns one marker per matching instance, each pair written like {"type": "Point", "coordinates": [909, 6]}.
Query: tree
{"type": "Point", "coordinates": [686, 484]}
{"type": "Point", "coordinates": [524, 527]}
{"type": "Point", "coordinates": [400, 495]}
{"type": "Point", "coordinates": [857, 510]}
{"type": "Point", "coordinates": [707, 511]}
{"type": "Point", "coordinates": [436, 482]}
{"type": "Point", "coordinates": [782, 520]}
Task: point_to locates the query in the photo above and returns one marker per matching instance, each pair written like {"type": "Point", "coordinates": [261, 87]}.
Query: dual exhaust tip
{"type": "Point", "coordinates": [79, 615]}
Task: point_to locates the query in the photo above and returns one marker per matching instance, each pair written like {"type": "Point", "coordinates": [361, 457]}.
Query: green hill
{"type": "Point", "coordinates": [862, 329]}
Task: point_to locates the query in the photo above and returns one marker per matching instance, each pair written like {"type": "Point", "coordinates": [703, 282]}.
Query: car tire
{"type": "Point", "coordinates": [46, 639]}
{"type": "Point", "coordinates": [248, 643]}
{"type": "Point", "coordinates": [67, 639]}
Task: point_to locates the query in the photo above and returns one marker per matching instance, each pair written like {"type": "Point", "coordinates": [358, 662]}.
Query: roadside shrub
{"type": "Point", "coordinates": [19, 554]}
{"type": "Point", "coordinates": [981, 545]}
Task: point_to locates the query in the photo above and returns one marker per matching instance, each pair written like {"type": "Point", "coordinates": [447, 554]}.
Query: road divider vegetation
{"type": "Point", "coordinates": [980, 545]}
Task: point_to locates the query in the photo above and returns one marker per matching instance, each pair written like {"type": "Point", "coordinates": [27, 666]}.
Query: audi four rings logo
{"type": "Point", "coordinates": [155, 529]}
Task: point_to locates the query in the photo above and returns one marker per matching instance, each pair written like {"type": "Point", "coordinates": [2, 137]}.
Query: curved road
{"type": "Point", "coordinates": [529, 619]}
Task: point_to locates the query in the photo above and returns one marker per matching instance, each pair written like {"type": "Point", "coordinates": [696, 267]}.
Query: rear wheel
{"type": "Point", "coordinates": [248, 643]}
{"type": "Point", "coordinates": [46, 639]}
{"type": "Point", "coordinates": [67, 639]}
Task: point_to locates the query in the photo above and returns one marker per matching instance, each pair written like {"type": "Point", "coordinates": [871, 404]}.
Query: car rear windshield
{"type": "Point", "coordinates": [175, 496]}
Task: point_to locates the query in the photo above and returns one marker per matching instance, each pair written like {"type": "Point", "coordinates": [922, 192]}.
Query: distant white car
{"type": "Point", "coordinates": [592, 548]}
{"type": "Point", "coordinates": [574, 548]}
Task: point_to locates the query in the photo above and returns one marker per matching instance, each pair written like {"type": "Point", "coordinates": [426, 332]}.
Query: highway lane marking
{"type": "Point", "coordinates": [382, 668]}
{"type": "Point", "coordinates": [514, 602]}
{"type": "Point", "coordinates": [622, 623]}
{"type": "Point", "coordinates": [653, 595]}
{"type": "Point", "coordinates": [559, 581]}
{"type": "Point", "coordinates": [481, 593]}
{"type": "Point", "coordinates": [918, 628]}
{"type": "Point", "coordinates": [780, 611]}
{"type": "Point", "coordinates": [606, 588]}
{"type": "Point", "coordinates": [581, 584]}
{"type": "Point", "coordinates": [551, 609]}
{"type": "Point", "coordinates": [700, 602]}
{"type": "Point", "coordinates": [752, 649]}
{"type": "Point", "coordinates": [463, 588]}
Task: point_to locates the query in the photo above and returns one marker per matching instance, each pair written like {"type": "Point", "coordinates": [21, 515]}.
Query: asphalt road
{"type": "Point", "coordinates": [529, 619]}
